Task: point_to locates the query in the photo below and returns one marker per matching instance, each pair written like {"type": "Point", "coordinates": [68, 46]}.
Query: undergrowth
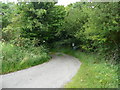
{"type": "Point", "coordinates": [16, 58]}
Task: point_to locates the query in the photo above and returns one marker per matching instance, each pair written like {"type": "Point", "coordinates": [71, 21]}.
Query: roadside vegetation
{"type": "Point", "coordinates": [17, 58]}
{"type": "Point", "coordinates": [30, 31]}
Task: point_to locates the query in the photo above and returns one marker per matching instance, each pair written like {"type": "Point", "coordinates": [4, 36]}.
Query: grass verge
{"type": "Point", "coordinates": [15, 58]}
{"type": "Point", "coordinates": [94, 72]}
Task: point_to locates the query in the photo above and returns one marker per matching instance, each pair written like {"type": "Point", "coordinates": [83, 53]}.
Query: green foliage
{"type": "Point", "coordinates": [16, 58]}
{"type": "Point", "coordinates": [9, 33]}
{"type": "Point", "coordinates": [90, 26]}
{"type": "Point", "coordinates": [40, 20]}
{"type": "Point", "coordinates": [93, 27]}
{"type": "Point", "coordinates": [7, 12]}
{"type": "Point", "coordinates": [101, 26]}
{"type": "Point", "coordinates": [73, 22]}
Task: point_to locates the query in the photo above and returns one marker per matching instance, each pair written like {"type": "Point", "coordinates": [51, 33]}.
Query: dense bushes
{"type": "Point", "coordinates": [93, 27]}
{"type": "Point", "coordinates": [102, 29]}
{"type": "Point", "coordinates": [16, 58]}
{"type": "Point", "coordinates": [40, 21]}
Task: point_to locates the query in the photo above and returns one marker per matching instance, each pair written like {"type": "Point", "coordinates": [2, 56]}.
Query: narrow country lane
{"type": "Point", "coordinates": [53, 74]}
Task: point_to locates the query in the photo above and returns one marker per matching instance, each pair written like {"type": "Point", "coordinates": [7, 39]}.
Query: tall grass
{"type": "Point", "coordinates": [94, 72]}
{"type": "Point", "coordinates": [16, 58]}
